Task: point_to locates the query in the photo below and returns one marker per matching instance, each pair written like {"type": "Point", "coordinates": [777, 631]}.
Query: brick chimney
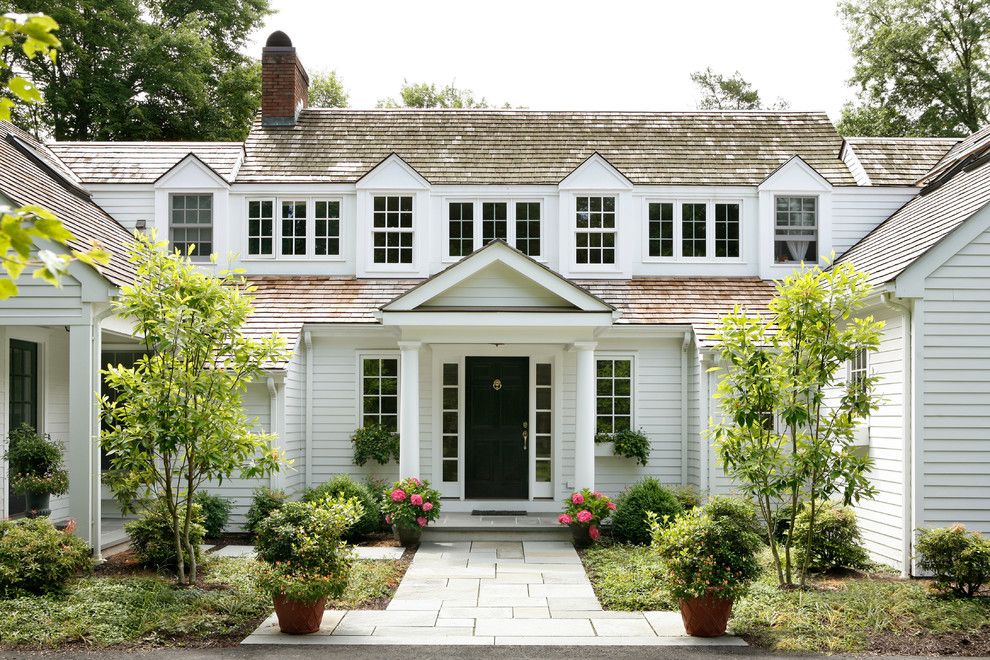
{"type": "Point", "coordinates": [284, 83]}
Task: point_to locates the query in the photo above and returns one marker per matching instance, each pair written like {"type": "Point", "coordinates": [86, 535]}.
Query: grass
{"type": "Point", "coordinates": [149, 611]}
{"type": "Point", "coordinates": [838, 615]}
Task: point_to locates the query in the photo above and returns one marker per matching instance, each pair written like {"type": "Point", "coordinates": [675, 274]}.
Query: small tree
{"type": "Point", "coordinates": [177, 419]}
{"type": "Point", "coordinates": [786, 435]}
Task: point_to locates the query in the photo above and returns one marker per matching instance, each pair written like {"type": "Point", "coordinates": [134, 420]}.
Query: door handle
{"type": "Point", "coordinates": [525, 436]}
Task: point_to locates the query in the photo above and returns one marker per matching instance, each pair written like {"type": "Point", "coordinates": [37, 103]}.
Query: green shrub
{"type": "Point", "coordinates": [153, 539]}
{"type": "Point", "coordinates": [36, 558]}
{"type": "Point", "coordinates": [688, 496]}
{"type": "Point", "coordinates": [836, 541]}
{"type": "Point", "coordinates": [629, 522]}
{"type": "Point", "coordinates": [216, 513]}
{"type": "Point", "coordinates": [301, 545]}
{"type": "Point", "coordinates": [958, 560]}
{"type": "Point", "coordinates": [375, 443]}
{"type": "Point", "coordinates": [344, 486]}
{"type": "Point", "coordinates": [737, 509]}
{"type": "Point", "coordinates": [704, 556]}
{"type": "Point", "coordinates": [35, 463]}
{"type": "Point", "coordinates": [263, 502]}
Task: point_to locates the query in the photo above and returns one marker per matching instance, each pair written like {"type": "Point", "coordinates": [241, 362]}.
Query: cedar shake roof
{"type": "Point", "coordinates": [25, 180]}
{"type": "Point", "coordinates": [285, 303]}
{"type": "Point", "coordinates": [537, 147]}
{"type": "Point", "coordinates": [899, 161]}
{"type": "Point", "coordinates": [143, 162]}
{"type": "Point", "coordinates": [920, 224]}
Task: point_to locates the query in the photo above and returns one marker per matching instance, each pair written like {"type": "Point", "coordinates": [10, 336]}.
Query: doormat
{"type": "Point", "coordinates": [485, 512]}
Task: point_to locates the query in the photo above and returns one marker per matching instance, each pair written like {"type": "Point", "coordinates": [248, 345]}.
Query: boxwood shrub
{"type": "Point", "coordinates": [344, 486]}
{"type": "Point", "coordinates": [629, 522]}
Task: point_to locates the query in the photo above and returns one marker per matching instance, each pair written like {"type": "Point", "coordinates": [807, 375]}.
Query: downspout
{"type": "Point", "coordinates": [907, 449]}
{"type": "Point", "coordinates": [96, 467]}
{"type": "Point", "coordinates": [684, 407]}
{"type": "Point", "coordinates": [308, 341]}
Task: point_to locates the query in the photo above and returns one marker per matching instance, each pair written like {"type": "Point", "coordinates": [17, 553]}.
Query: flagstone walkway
{"type": "Point", "coordinates": [494, 592]}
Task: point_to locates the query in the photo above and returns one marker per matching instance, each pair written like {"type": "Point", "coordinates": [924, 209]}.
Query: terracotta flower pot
{"type": "Point", "coordinates": [408, 535]}
{"type": "Point", "coordinates": [298, 618]}
{"type": "Point", "coordinates": [580, 535]}
{"type": "Point", "coordinates": [705, 617]}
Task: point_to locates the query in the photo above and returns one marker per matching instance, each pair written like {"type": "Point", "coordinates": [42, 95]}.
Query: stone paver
{"type": "Point", "coordinates": [494, 593]}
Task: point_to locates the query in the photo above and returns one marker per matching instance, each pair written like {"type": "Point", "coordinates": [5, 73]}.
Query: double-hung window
{"type": "Point", "coordinates": [261, 227]}
{"type": "Point", "coordinates": [595, 230]}
{"type": "Point", "coordinates": [392, 229]}
{"type": "Point", "coordinates": [614, 395]}
{"type": "Point", "coordinates": [380, 392]}
{"type": "Point", "coordinates": [293, 227]}
{"type": "Point", "coordinates": [859, 367]}
{"type": "Point", "coordinates": [693, 230]}
{"type": "Point", "coordinates": [191, 224]}
{"type": "Point", "coordinates": [327, 229]}
{"type": "Point", "coordinates": [472, 225]}
{"type": "Point", "coordinates": [795, 229]}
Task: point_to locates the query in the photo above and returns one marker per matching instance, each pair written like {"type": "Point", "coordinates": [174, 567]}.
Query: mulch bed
{"type": "Point", "coordinates": [963, 644]}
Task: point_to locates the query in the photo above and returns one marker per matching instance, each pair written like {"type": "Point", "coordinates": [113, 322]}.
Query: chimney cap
{"type": "Point", "coordinates": [278, 39]}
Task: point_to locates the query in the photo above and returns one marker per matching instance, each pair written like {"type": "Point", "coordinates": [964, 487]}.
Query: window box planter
{"type": "Point", "coordinates": [605, 449]}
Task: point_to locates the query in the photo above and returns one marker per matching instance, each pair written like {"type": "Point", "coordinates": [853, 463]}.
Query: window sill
{"type": "Point", "coordinates": [693, 260]}
{"type": "Point", "coordinates": [293, 260]}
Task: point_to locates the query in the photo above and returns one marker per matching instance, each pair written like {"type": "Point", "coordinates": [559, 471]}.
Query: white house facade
{"type": "Point", "coordinates": [499, 286]}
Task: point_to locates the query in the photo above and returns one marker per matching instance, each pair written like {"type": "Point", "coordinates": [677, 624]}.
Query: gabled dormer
{"type": "Point", "coordinates": [191, 206]}
{"type": "Point", "coordinates": [393, 202]}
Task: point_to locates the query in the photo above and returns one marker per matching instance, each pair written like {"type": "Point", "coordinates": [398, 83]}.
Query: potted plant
{"type": "Point", "coordinates": [409, 505]}
{"type": "Point", "coordinates": [375, 443]}
{"type": "Point", "coordinates": [708, 562]}
{"type": "Point", "coordinates": [584, 511]}
{"type": "Point", "coordinates": [36, 470]}
{"type": "Point", "coordinates": [625, 443]}
{"type": "Point", "coordinates": [305, 559]}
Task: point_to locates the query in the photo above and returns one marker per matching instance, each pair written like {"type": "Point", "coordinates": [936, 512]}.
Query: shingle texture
{"type": "Point", "coordinates": [24, 181]}
{"type": "Point", "coordinates": [535, 147]}
{"type": "Point", "coordinates": [919, 225]}
{"type": "Point", "coordinates": [284, 304]}
{"type": "Point", "coordinates": [899, 161]}
{"type": "Point", "coordinates": [143, 162]}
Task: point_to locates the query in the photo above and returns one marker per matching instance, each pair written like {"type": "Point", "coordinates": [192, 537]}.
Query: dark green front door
{"type": "Point", "coordinates": [23, 400]}
{"type": "Point", "coordinates": [496, 453]}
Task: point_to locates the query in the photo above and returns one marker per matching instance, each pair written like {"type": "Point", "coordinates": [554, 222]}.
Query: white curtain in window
{"type": "Point", "coordinates": [797, 249]}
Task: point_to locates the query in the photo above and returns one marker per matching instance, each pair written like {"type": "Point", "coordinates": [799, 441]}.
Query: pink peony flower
{"type": "Point", "coordinates": [584, 516]}
{"type": "Point", "coordinates": [416, 481]}
{"type": "Point", "coordinates": [427, 506]}
{"type": "Point", "coordinates": [594, 533]}
{"type": "Point", "coordinates": [565, 519]}
{"type": "Point", "coordinates": [577, 498]}
{"type": "Point", "coordinates": [611, 505]}
{"type": "Point", "coordinates": [422, 521]}
{"type": "Point", "coordinates": [416, 499]}
{"type": "Point", "coordinates": [398, 495]}
{"type": "Point", "coordinates": [599, 494]}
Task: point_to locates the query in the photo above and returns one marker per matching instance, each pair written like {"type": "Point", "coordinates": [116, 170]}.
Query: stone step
{"type": "Point", "coordinates": [495, 532]}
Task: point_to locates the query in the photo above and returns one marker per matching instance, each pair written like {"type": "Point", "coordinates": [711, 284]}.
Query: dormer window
{"type": "Point", "coordinates": [261, 227]}
{"type": "Point", "coordinates": [494, 222]}
{"type": "Point", "coordinates": [327, 230]}
{"type": "Point", "coordinates": [472, 225]}
{"type": "Point", "coordinates": [191, 224]}
{"type": "Point", "coordinates": [528, 228]}
{"type": "Point", "coordinates": [392, 229]}
{"type": "Point", "coordinates": [595, 230]}
{"type": "Point", "coordinates": [795, 229]}
{"type": "Point", "coordinates": [293, 220]}
{"type": "Point", "coordinates": [299, 227]}
{"type": "Point", "coordinates": [693, 230]}
{"type": "Point", "coordinates": [460, 228]}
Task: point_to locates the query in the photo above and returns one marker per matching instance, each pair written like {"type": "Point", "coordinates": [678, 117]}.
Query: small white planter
{"type": "Point", "coordinates": [604, 449]}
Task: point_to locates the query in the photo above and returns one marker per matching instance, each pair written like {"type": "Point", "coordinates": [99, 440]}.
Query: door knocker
{"type": "Point", "coordinates": [497, 384]}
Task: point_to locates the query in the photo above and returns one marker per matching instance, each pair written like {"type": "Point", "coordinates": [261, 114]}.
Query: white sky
{"type": "Point", "coordinates": [576, 54]}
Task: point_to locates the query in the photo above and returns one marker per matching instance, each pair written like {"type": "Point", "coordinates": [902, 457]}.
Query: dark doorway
{"type": "Point", "coordinates": [23, 403]}
{"type": "Point", "coordinates": [496, 443]}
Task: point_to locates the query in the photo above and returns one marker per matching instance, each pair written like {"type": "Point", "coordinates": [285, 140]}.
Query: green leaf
{"type": "Point", "coordinates": [24, 89]}
{"type": "Point", "coordinates": [7, 288]}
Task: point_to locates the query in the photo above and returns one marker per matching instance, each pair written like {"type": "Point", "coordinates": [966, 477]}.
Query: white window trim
{"type": "Point", "coordinates": [615, 266]}
{"type": "Point", "coordinates": [633, 378]}
{"type": "Point", "coordinates": [276, 254]}
{"type": "Point", "coordinates": [197, 257]}
{"type": "Point", "coordinates": [678, 257]}
{"type": "Point", "coordinates": [773, 229]}
{"type": "Point", "coordinates": [374, 266]}
{"type": "Point", "coordinates": [360, 357]}
{"type": "Point", "coordinates": [510, 219]}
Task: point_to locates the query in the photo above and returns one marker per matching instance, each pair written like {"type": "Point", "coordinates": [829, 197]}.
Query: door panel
{"type": "Point", "coordinates": [496, 455]}
{"type": "Point", "coordinates": [23, 400]}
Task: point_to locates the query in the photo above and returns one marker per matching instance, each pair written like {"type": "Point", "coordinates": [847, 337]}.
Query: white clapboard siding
{"type": "Point", "coordinates": [126, 204]}
{"type": "Point", "coordinates": [856, 211]}
{"type": "Point", "coordinates": [568, 417]}
{"type": "Point", "coordinates": [955, 474]}
{"type": "Point", "coordinates": [293, 423]}
{"type": "Point", "coordinates": [657, 411]}
{"type": "Point", "coordinates": [497, 286]}
{"type": "Point", "coordinates": [695, 441]}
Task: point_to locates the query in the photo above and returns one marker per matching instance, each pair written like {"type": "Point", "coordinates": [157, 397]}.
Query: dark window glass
{"type": "Point", "coordinates": [261, 227]}
{"type": "Point", "coordinates": [726, 230]}
{"type": "Point", "coordinates": [380, 392]}
{"type": "Point", "coordinates": [293, 228]}
{"type": "Point", "coordinates": [795, 229]}
{"type": "Point", "coordinates": [528, 228]}
{"type": "Point", "coordinates": [327, 229]}
{"type": "Point", "coordinates": [392, 228]}
{"type": "Point", "coordinates": [694, 229]}
{"type": "Point", "coordinates": [460, 228]}
{"type": "Point", "coordinates": [494, 222]}
{"type": "Point", "coordinates": [595, 238]}
{"type": "Point", "coordinates": [191, 224]}
{"type": "Point", "coordinates": [661, 229]}
{"type": "Point", "coordinates": [614, 396]}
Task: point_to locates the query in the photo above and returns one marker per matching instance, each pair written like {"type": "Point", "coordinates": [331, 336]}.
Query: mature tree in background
{"type": "Point", "coordinates": [31, 36]}
{"type": "Point", "coordinates": [922, 67]}
{"type": "Point", "coordinates": [720, 92]}
{"type": "Point", "coordinates": [326, 90]}
{"type": "Point", "coordinates": [145, 69]}
{"type": "Point", "coordinates": [428, 95]}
